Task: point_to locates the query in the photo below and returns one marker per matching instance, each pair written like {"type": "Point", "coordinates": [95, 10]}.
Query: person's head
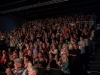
{"type": "Point", "coordinates": [15, 55]}
{"type": "Point", "coordinates": [35, 45]}
{"type": "Point", "coordinates": [4, 55]}
{"type": "Point", "coordinates": [64, 46]}
{"type": "Point", "coordinates": [9, 49]}
{"type": "Point", "coordinates": [10, 64]}
{"type": "Point", "coordinates": [32, 71]}
{"type": "Point", "coordinates": [9, 71]}
{"type": "Point", "coordinates": [53, 41]}
{"type": "Point", "coordinates": [39, 54]}
{"type": "Point", "coordinates": [61, 38]}
{"type": "Point", "coordinates": [46, 39]}
{"type": "Point", "coordinates": [38, 39]}
{"type": "Point", "coordinates": [43, 45]}
{"type": "Point", "coordinates": [74, 35]}
{"type": "Point", "coordinates": [20, 40]}
{"type": "Point", "coordinates": [18, 63]}
{"type": "Point", "coordinates": [3, 51]}
{"type": "Point", "coordinates": [26, 58]}
{"type": "Point", "coordinates": [93, 30]}
{"type": "Point", "coordinates": [71, 39]}
{"type": "Point", "coordinates": [30, 45]}
{"type": "Point", "coordinates": [26, 41]}
{"type": "Point", "coordinates": [53, 35]}
{"type": "Point", "coordinates": [11, 57]}
{"type": "Point", "coordinates": [64, 57]}
{"type": "Point", "coordinates": [81, 38]}
{"type": "Point", "coordinates": [54, 46]}
{"type": "Point", "coordinates": [29, 52]}
{"type": "Point", "coordinates": [75, 45]}
{"type": "Point", "coordinates": [32, 36]}
{"type": "Point", "coordinates": [21, 50]}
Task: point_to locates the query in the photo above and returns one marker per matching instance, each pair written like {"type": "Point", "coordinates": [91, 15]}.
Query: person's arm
{"type": "Point", "coordinates": [54, 51]}
{"type": "Point", "coordinates": [9, 71]}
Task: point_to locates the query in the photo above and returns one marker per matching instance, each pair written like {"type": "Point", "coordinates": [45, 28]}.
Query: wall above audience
{"type": "Point", "coordinates": [7, 22]}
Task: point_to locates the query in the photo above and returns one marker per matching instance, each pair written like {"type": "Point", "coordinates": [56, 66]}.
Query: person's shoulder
{"type": "Point", "coordinates": [25, 72]}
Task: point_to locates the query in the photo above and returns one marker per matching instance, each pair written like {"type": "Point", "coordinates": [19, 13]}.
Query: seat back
{"type": "Point", "coordinates": [41, 71]}
{"type": "Point", "coordinates": [55, 72]}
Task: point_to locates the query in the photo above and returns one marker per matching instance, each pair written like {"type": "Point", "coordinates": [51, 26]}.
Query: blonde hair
{"type": "Point", "coordinates": [34, 69]}
{"type": "Point", "coordinates": [65, 57]}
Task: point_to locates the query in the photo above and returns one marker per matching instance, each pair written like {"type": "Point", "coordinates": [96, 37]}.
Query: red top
{"type": "Point", "coordinates": [2, 59]}
{"type": "Point", "coordinates": [66, 30]}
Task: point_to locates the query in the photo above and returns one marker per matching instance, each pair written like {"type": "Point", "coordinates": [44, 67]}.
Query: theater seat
{"type": "Point", "coordinates": [41, 71]}
{"type": "Point", "coordinates": [95, 63]}
{"type": "Point", "coordinates": [95, 68]}
{"type": "Point", "coordinates": [93, 73]}
{"type": "Point", "coordinates": [55, 72]}
{"type": "Point", "coordinates": [2, 73]}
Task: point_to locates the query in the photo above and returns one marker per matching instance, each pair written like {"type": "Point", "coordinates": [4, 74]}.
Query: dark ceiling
{"type": "Point", "coordinates": [11, 4]}
{"type": "Point", "coordinates": [70, 6]}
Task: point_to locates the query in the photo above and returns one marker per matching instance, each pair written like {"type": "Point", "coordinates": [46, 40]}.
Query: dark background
{"type": "Point", "coordinates": [8, 20]}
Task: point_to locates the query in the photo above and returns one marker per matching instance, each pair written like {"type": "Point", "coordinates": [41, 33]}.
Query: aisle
{"type": "Point", "coordinates": [94, 62]}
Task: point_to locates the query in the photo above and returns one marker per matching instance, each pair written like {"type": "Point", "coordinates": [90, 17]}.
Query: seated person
{"type": "Point", "coordinates": [40, 61]}
{"type": "Point", "coordinates": [32, 71]}
{"type": "Point", "coordinates": [18, 68]}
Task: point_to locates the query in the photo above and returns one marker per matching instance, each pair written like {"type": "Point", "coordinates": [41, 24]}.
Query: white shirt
{"type": "Point", "coordinates": [82, 46]}
{"type": "Point", "coordinates": [92, 35]}
{"type": "Point", "coordinates": [55, 51]}
{"type": "Point", "coordinates": [12, 44]}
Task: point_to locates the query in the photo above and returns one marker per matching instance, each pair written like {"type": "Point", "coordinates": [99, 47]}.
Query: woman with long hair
{"type": "Point", "coordinates": [64, 64]}
{"type": "Point", "coordinates": [54, 51]}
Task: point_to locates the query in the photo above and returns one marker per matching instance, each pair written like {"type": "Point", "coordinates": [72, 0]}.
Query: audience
{"type": "Point", "coordinates": [60, 43]}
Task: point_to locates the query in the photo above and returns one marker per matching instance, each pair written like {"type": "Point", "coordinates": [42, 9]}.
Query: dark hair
{"type": "Point", "coordinates": [40, 52]}
{"type": "Point", "coordinates": [10, 65]}
{"type": "Point", "coordinates": [76, 44]}
{"type": "Point", "coordinates": [28, 57]}
{"type": "Point", "coordinates": [82, 37]}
